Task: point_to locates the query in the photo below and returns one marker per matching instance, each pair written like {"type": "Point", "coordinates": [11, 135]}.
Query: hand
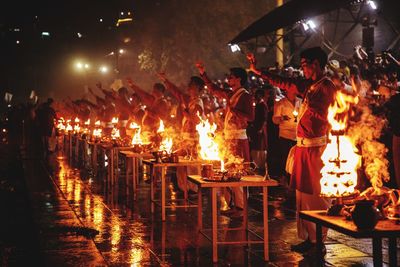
{"type": "Point", "coordinates": [130, 82]}
{"type": "Point", "coordinates": [251, 58]}
{"type": "Point", "coordinates": [162, 76]}
{"type": "Point", "coordinates": [200, 67]}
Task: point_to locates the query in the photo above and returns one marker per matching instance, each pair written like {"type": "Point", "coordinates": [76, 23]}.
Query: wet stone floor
{"type": "Point", "coordinates": [130, 235]}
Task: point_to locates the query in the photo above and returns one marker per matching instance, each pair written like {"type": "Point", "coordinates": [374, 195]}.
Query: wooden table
{"type": "Point", "coordinates": [384, 229]}
{"type": "Point", "coordinates": [248, 181]}
{"type": "Point", "coordinates": [136, 157]}
{"type": "Point", "coordinates": [163, 167]}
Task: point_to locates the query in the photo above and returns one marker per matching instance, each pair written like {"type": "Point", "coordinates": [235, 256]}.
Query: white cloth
{"type": "Point", "coordinates": [287, 128]}
{"type": "Point", "coordinates": [306, 229]}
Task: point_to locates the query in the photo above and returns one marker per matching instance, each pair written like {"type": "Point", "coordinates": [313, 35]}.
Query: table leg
{"type": "Point", "coordinates": [318, 236]}
{"type": "Point", "coordinates": [245, 214]}
{"type": "Point", "coordinates": [134, 177]}
{"type": "Point", "coordinates": [214, 224]}
{"type": "Point", "coordinates": [152, 181]}
{"type": "Point", "coordinates": [199, 209]}
{"type": "Point", "coordinates": [126, 176]}
{"type": "Point", "coordinates": [163, 194]}
{"type": "Point", "coordinates": [265, 223]}
{"type": "Point", "coordinates": [185, 193]}
{"type": "Point", "coordinates": [111, 173]}
{"type": "Point", "coordinates": [377, 251]}
{"type": "Point", "coordinates": [392, 251]}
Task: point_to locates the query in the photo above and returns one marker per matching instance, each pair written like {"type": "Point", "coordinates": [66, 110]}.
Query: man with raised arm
{"type": "Point", "coordinates": [318, 93]}
{"type": "Point", "coordinates": [239, 112]}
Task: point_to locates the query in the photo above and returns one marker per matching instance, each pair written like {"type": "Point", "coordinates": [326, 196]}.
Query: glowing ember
{"type": "Point", "coordinates": [340, 158]}
{"type": "Point", "coordinates": [161, 129]}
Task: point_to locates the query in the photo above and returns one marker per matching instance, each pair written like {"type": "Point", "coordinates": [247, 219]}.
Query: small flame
{"type": "Point", "coordinates": [77, 128]}
{"type": "Point", "coordinates": [295, 113]}
{"type": "Point", "coordinates": [97, 132]}
{"type": "Point", "coordinates": [136, 138]}
{"type": "Point", "coordinates": [115, 133]}
{"type": "Point", "coordinates": [161, 129]}
{"type": "Point", "coordinates": [134, 125]}
{"type": "Point", "coordinates": [97, 123]}
{"type": "Point", "coordinates": [77, 120]}
{"type": "Point", "coordinates": [69, 127]}
{"type": "Point", "coordinates": [87, 122]}
{"type": "Point", "coordinates": [114, 120]}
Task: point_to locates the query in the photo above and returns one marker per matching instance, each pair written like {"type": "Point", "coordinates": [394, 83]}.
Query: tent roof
{"type": "Point", "coordinates": [288, 14]}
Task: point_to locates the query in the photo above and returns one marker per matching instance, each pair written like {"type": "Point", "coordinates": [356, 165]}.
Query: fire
{"type": "Point", "coordinates": [166, 145]}
{"type": "Point", "coordinates": [97, 123]}
{"type": "Point", "coordinates": [136, 138]}
{"type": "Point", "coordinates": [87, 122]}
{"type": "Point", "coordinates": [115, 133]}
{"type": "Point", "coordinates": [69, 127]}
{"type": "Point", "coordinates": [61, 125]}
{"type": "Point", "coordinates": [209, 148]}
{"type": "Point", "coordinates": [161, 129]}
{"type": "Point", "coordinates": [97, 132]}
{"type": "Point", "coordinates": [77, 128]}
{"type": "Point", "coordinates": [77, 120]}
{"type": "Point", "coordinates": [114, 120]}
{"type": "Point", "coordinates": [340, 158]}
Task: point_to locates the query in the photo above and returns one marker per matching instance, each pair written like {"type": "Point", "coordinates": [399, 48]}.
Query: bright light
{"type": "Point", "coordinates": [79, 35]}
{"type": "Point", "coordinates": [87, 66]}
{"type": "Point", "coordinates": [17, 41]}
{"type": "Point", "coordinates": [79, 65]}
{"type": "Point", "coordinates": [234, 48]}
{"type": "Point", "coordinates": [101, 20]}
{"type": "Point", "coordinates": [122, 13]}
{"type": "Point", "coordinates": [103, 69]}
{"type": "Point", "coordinates": [309, 24]}
{"type": "Point", "coordinates": [372, 4]}
{"type": "Point", "coordinates": [121, 51]}
{"type": "Point", "coordinates": [45, 34]}
{"type": "Point", "coordinates": [17, 30]}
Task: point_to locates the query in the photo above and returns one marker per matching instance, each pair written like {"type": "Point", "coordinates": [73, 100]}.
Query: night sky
{"type": "Point", "coordinates": [165, 35]}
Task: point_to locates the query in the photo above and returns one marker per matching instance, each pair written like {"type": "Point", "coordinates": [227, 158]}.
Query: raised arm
{"type": "Point", "coordinates": [145, 97]}
{"type": "Point", "coordinates": [172, 88]}
{"type": "Point", "coordinates": [214, 89]}
{"type": "Point", "coordinates": [296, 86]}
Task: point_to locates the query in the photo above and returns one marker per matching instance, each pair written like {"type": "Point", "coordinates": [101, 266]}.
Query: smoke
{"type": "Point", "coordinates": [365, 133]}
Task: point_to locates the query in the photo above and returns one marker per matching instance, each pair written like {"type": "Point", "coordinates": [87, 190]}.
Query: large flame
{"type": "Point", "coordinates": [209, 148]}
{"type": "Point", "coordinates": [340, 158]}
